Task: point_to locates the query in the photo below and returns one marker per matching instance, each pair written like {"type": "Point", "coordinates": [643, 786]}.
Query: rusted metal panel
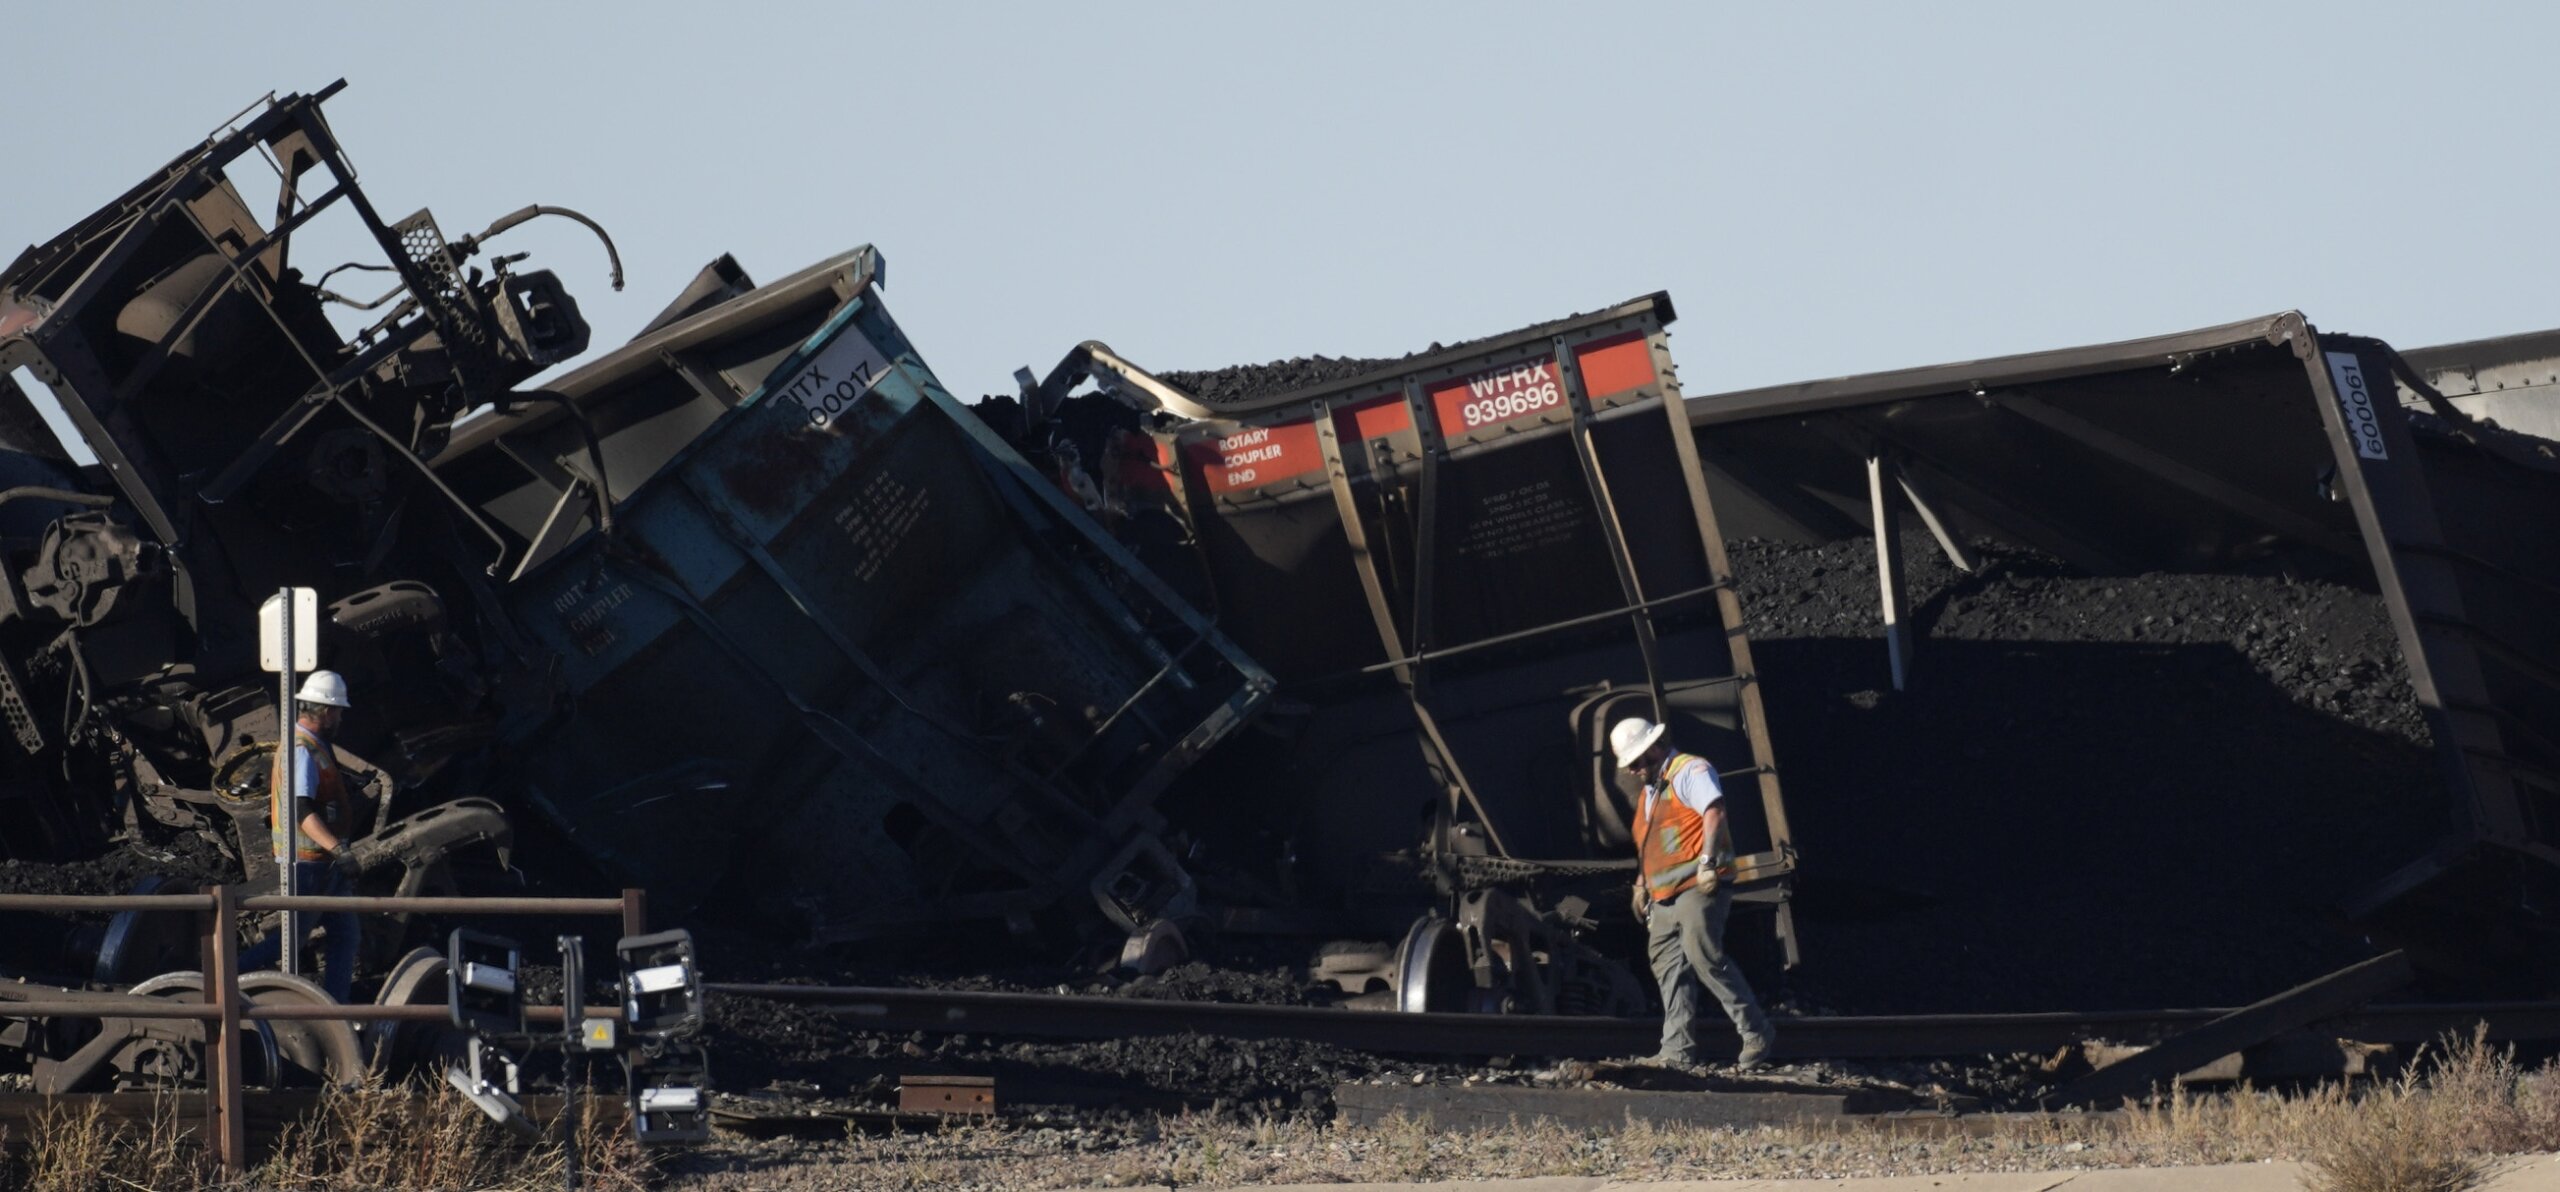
{"type": "Point", "coordinates": [971, 1095]}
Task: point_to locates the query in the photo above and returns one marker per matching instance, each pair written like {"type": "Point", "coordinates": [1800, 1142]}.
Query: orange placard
{"type": "Point", "coordinates": [1614, 365]}
{"type": "Point", "coordinates": [1382, 418]}
{"type": "Point", "coordinates": [1256, 455]}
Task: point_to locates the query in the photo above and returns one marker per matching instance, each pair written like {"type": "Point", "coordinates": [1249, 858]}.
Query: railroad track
{"type": "Point", "coordinates": [1924, 1036]}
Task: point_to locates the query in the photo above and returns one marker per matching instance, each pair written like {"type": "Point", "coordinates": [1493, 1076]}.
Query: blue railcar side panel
{"type": "Point", "coordinates": [832, 642]}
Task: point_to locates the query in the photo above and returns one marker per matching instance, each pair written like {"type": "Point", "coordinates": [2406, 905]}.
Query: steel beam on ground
{"type": "Point", "coordinates": [2297, 1007]}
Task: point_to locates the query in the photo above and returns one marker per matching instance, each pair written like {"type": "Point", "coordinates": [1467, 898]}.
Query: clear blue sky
{"type": "Point", "coordinates": [1824, 188]}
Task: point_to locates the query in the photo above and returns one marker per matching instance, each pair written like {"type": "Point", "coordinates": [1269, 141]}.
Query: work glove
{"type": "Point", "coordinates": [344, 861]}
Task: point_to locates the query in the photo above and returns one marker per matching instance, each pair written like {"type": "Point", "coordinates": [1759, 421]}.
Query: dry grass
{"type": "Point", "coordinates": [81, 1150]}
{"type": "Point", "coordinates": [2434, 1129]}
{"type": "Point", "coordinates": [2396, 1141]}
{"type": "Point", "coordinates": [2456, 1108]}
{"type": "Point", "coordinates": [366, 1138]}
{"type": "Point", "coordinates": [2438, 1134]}
{"type": "Point", "coordinates": [399, 1140]}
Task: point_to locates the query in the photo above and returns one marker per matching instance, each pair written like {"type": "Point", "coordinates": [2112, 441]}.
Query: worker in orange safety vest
{"type": "Point", "coordinates": [1683, 892]}
{"type": "Point", "coordinates": [323, 865]}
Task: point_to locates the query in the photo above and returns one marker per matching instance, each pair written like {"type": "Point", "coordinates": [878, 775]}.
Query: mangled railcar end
{"type": "Point", "coordinates": [191, 418]}
{"type": "Point", "coordinates": [819, 646]}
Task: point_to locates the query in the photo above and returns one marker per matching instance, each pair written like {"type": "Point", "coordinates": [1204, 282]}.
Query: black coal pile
{"type": "Point", "coordinates": [1087, 423]}
{"type": "Point", "coordinates": [1237, 384]}
{"type": "Point", "coordinates": [50, 946]}
{"type": "Point", "coordinates": [1241, 383]}
{"type": "Point", "coordinates": [1199, 982]}
{"type": "Point", "coordinates": [121, 869]}
{"type": "Point", "coordinates": [2096, 792]}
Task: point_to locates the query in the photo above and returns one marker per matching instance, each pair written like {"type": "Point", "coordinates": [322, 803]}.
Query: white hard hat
{"type": "Point", "coordinates": [1629, 738]}
{"type": "Point", "coordinates": [324, 688]}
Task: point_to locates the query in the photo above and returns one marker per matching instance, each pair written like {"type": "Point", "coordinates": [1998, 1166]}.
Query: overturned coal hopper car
{"type": "Point", "coordinates": [747, 607]}
{"type": "Point", "coordinates": [2260, 447]}
{"type": "Point", "coordinates": [1463, 567]}
{"type": "Point", "coordinates": [817, 642]}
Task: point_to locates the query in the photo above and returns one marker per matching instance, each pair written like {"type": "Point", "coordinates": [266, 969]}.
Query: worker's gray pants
{"type": "Point", "coordinates": [1687, 948]}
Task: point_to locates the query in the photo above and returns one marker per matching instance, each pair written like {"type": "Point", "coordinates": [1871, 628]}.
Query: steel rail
{"type": "Point", "coordinates": [412, 904]}
{"type": "Point", "coordinates": [157, 1008]}
{"type": "Point", "coordinates": [1055, 1016]}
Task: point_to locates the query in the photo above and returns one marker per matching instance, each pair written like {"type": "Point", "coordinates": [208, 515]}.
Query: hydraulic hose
{"type": "Point", "coordinates": [513, 218]}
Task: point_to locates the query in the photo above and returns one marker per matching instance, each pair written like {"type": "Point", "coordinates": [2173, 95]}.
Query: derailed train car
{"type": "Point", "coordinates": [1463, 567]}
{"type": "Point", "coordinates": [191, 429]}
{"type": "Point", "coordinates": [748, 597]}
{"type": "Point", "coordinates": [823, 643]}
{"type": "Point", "coordinates": [2263, 446]}
{"type": "Point", "coordinates": [1445, 531]}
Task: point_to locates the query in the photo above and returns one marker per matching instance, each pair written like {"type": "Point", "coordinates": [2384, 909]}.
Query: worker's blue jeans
{"type": "Point", "coordinates": [338, 965]}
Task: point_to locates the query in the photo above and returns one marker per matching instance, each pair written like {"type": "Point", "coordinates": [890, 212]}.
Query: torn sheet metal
{"type": "Point", "coordinates": [746, 598]}
{"type": "Point", "coordinates": [193, 415]}
{"type": "Point", "coordinates": [2510, 381]}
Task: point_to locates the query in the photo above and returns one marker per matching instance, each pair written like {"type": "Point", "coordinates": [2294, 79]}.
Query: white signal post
{"type": "Point", "coordinates": [289, 644]}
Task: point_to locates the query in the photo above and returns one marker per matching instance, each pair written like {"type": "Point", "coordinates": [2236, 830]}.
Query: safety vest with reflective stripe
{"type": "Point", "coordinates": [1672, 836]}
{"type": "Point", "coordinates": [328, 797]}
